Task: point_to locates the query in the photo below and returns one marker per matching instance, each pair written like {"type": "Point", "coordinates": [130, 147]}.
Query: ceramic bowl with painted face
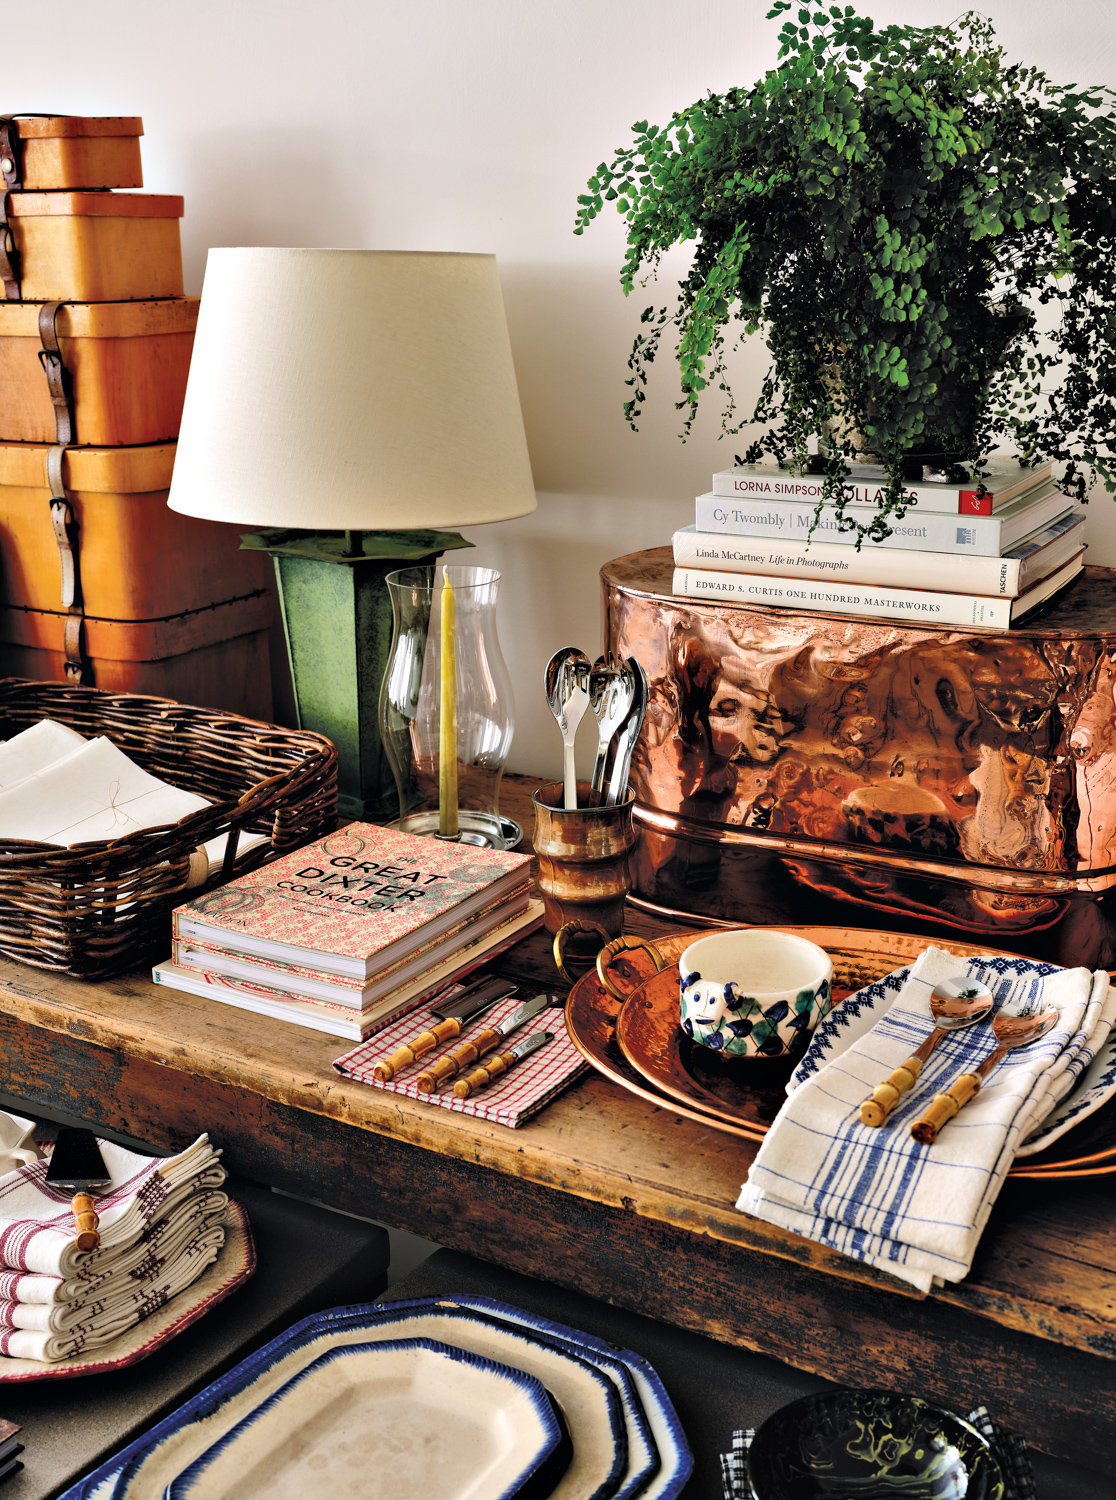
{"type": "Point", "coordinates": [753, 992]}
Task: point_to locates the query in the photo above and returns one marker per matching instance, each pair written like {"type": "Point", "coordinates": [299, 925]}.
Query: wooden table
{"type": "Point", "coordinates": [602, 1192]}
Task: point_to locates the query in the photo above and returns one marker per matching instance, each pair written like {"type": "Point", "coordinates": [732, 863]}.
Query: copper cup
{"type": "Point", "coordinates": [583, 858]}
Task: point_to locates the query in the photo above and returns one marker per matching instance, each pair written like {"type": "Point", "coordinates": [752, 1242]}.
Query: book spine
{"type": "Point", "coordinates": [898, 568]}
{"type": "Point", "coordinates": [976, 536]}
{"type": "Point", "coordinates": [912, 606]}
{"type": "Point", "coordinates": [946, 499]}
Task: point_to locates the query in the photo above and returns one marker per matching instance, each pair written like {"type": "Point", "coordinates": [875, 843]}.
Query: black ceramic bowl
{"type": "Point", "coordinates": [871, 1445]}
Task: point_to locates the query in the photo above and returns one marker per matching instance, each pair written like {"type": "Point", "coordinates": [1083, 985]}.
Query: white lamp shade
{"type": "Point", "coordinates": [351, 390]}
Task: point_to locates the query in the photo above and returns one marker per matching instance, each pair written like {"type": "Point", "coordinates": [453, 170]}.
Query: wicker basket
{"type": "Point", "coordinates": [102, 907]}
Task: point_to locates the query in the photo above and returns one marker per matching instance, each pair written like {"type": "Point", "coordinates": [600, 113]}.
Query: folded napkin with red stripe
{"type": "Point", "coordinates": [161, 1224]}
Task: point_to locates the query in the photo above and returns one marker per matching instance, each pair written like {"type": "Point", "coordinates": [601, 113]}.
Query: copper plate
{"type": "Point", "coordinates": [748, 1090]}
{"type": "Point", "coordinates": [737, 1106]}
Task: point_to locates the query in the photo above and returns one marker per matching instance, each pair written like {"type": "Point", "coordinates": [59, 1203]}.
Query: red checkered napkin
{"type": "Point", "coordinates": [509, 1101]}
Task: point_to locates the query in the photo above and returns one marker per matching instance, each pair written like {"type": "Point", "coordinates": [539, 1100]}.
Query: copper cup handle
{"type": "Point", "coordinates": [617, 945]}
{"type": "Point", "coordinates": [566, 930]}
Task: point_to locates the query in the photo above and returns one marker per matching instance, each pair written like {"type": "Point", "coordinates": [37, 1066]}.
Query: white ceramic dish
{"type": "Point", "coordinates": [234, 1265]}
{"type": "Point", "coordinates": [1095, 1087]}
{"type": "Point", "coordinates": [644, 1464]}
{"type": "Point", "coordinates": [394, 1420]}
{"type": "Point", "coordinates": [753, 992]}
{"type": "Point", "coordinates": [587, 1398]}
{"type": "Point", "coordinates": [675, 1460]}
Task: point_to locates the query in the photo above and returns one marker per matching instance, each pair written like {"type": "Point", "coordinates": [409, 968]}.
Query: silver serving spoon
{"type": "Point", "coordinates": [567, 692]}
{"type": "Point", "coordinates": [1011, 1030]}
{"type": "Point", "coordinates": [628, 732]}
{"type": "Point", "coordinates": [611, 690]}
{"type": "Point", "coordinates": [952, 1006]}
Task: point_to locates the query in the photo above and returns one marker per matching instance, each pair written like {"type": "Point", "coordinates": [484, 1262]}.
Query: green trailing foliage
{"type": "Point", "coordinates": [894, 209]}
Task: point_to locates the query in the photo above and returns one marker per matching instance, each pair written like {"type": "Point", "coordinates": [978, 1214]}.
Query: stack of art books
{"type": "Point", "coordinates": [352, 931]}
{"type": "Point", "coordinates": [970, 553]}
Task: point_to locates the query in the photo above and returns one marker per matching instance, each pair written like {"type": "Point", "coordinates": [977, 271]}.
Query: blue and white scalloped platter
{"type": "Point", "coordinates": [402, 1418]}
{"type": "Point", "coordinates": [856, 1016]}
{"type": "Point", "coordinates": [623, 1435]}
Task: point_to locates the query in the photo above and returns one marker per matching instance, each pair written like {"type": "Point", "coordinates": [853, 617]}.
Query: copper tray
{"type": "Point", "coordinates": [744, 1106]}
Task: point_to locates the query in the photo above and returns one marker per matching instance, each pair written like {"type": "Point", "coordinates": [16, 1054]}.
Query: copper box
{"type": "Point", "coordinates": [128, 361]}
{"type": "Point", "coordinates": [802, 767]}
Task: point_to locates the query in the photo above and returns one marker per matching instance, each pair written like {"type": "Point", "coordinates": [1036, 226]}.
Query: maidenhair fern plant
{"type": "Point", "coordinates": [923, 232]}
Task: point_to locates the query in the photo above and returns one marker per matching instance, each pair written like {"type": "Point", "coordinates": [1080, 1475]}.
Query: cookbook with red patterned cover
{"type": "Point", "coordinates": [354, 901]}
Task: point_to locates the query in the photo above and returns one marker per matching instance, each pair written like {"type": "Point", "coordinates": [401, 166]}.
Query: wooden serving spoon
{"type": "Point", "coordinates": [1011, 1032]}
{"type": "Point", "coordinates": [952, 1006]}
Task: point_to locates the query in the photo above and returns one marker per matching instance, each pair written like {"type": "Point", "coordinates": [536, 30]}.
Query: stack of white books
{"type": "Point", "coordinates": [962, 554]}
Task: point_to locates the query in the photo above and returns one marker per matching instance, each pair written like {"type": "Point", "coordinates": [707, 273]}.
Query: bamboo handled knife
{"type": "Point", "coordinates": [499, 1063]}
{"type": "Point", "coordinates": [452, 1016]}
{"type": "Point", "coordinates": [480, 1043]}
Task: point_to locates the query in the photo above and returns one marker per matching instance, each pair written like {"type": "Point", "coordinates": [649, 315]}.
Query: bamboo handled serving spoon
{"type": "Point", "coordinates": [952, 1006]}
{"type": "Point", "coordinates": [1010, 1031]}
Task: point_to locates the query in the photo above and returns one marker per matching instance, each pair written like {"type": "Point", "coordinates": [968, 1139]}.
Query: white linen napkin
{"type": "Point", "coordinates": [877, 1195]}
{"type": "Point", "coordinates": [101, 1277]}
{"type": "Point", "coordinates": [52, 1333]}
{"type": "Point", "coordinates": [37, 1231]}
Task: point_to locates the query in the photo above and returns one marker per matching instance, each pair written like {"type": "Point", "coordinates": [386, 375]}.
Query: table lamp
{"type": "Point", "coordinates": [352, 403]}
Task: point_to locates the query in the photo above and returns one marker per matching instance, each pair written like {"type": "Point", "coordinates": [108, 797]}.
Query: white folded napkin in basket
{"type": "Point", "coordinates": [37, 1231]}
{"type": "Point", "coordinates": [874, 1193]}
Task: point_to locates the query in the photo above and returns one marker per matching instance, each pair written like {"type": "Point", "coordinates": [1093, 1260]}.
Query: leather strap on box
{"type": "Point", "coordinates": [59, 381]}
{"type": "Point", "coordinates": [11, 143]}
{"type": "Point", "coordinates": [11, 171]}
{"type": "Point", "coordinates": [9, 255]}
{"type": "Point", "coordinates": [64, 522]}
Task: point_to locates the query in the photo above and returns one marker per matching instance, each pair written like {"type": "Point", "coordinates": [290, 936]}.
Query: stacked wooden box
{"type": "Point", "coordinates": [102, 584]}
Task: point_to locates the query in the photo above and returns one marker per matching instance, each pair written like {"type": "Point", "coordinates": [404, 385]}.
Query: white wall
{"type": "Point", "coordinates": [472, 125]}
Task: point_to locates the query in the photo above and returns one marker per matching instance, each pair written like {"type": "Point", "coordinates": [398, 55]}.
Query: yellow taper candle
{"type": "Point", "coordinates": [447, 739]}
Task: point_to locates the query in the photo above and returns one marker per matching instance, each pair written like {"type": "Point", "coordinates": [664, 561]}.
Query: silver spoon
{"type": "Point", "coordinates": [952, 1006]}
{"type": "Point", "coordinates": [1011, 1031]}
{"type": "Point", "coordinates": [611, 689]}
{"type": "Point", "coordinates": [628, 732]}
{"type": "Point", "coordinates": [567, 692]}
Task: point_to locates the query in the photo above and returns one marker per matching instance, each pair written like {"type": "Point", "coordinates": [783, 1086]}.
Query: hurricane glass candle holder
{"type": "Point", "coordinates": [441, 614]}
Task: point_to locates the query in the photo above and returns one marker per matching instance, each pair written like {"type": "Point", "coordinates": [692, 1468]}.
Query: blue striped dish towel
{"type": "Point", "coordinates": [877, 1195]}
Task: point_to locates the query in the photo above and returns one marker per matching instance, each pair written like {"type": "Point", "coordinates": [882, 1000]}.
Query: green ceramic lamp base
{"type": "Point", "coordinates": [337, 621]}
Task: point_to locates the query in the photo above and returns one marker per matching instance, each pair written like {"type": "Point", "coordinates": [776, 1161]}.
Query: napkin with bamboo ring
{"type": "Point", "coordinates": [37, 1230]}
{"type": "Point", "coordinates": [105, 1276]}
{"type": "Point", "coordinates": [875, 1194]}
{"type": "Point", "coordinates": [49, 1332]}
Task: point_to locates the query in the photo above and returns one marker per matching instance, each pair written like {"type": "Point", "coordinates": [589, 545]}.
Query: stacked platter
{"type": "Point", "coordinates": [637, 1042]}
{"type": "Point", "coordinates": [459, 1396]}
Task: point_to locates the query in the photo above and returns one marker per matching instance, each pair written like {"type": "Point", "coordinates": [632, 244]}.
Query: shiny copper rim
{"type": "Point", "coordinates": [786, 845]}
{"type": "Point", "coordinates": [641, 1089]}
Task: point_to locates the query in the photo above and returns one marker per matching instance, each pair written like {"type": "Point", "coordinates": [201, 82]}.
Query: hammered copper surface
{"type": "Point", "coordinates": [960, 782]}
{"type": "Point", "coordinates": [859, 957]}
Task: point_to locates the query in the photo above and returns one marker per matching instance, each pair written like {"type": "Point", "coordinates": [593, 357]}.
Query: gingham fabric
{"type": "Point", "coordinates": [513, 1098]}
{"type": "Point", "coordinates": [1009, 1448]}
{"type": "Point", "coordinates": [875, 1194]}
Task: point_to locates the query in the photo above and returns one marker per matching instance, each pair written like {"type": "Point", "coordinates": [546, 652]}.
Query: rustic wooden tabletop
{"type": "Point", "coordinates": [602, 1192]}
